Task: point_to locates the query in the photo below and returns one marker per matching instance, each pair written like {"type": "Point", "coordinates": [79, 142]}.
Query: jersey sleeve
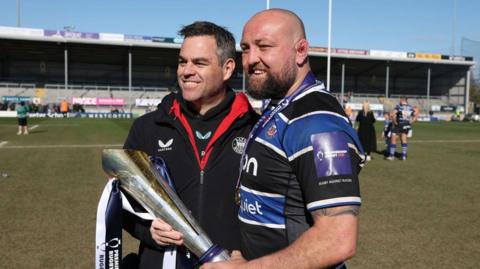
{"type": "Point", "coordinates": [326, 158]}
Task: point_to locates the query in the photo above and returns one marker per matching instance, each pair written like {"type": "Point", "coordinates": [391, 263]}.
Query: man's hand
{"type": "Point", "coordinates": [164, 235]}
{"type": "Point", "coordinates": [236, 261]}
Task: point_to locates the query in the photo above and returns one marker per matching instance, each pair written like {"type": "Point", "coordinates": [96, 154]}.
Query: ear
{"type": "Point", "coordinates": [302, 51]}
{"type": "Point", "coordinates": [228, 68]}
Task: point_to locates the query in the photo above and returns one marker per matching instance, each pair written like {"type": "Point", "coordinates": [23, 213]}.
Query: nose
{"type": "Point", "coordinates": [187, 69]}
{"type": "Point", "coordinates": [250, 57]}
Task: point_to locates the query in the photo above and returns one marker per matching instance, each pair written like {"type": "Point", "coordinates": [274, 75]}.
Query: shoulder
{"type": "Point", "coordinates": [149, 118]}
{"type": "Point", "coordinates": [315, 102]}
{"type": "Point", "coordinates": [315, 116]}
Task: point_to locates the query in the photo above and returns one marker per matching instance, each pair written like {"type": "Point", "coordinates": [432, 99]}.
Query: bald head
{"type": "Point", "coordinates": [275, 53]}
{"type": "Point", "coordinates": [284, 17]}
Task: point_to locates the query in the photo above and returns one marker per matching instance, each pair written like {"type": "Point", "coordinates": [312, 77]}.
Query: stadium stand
{"type": "Point", "coordinates": [52, 68]}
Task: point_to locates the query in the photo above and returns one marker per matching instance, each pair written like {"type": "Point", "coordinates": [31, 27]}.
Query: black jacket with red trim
{"type": "Point", "coordinates": [206, 184]}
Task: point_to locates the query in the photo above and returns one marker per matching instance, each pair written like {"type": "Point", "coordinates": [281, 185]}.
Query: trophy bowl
{"type": "Point", "coordinates": [141, 180]}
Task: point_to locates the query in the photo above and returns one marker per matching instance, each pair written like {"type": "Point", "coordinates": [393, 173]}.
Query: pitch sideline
{"type": "Point", "coordinates": [3, 143]}
{"type": "Point", "coordinates": [62, 146]}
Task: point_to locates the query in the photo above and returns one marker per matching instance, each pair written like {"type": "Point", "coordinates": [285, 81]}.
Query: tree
{"type": "Point", "coordinates": [475, 92]}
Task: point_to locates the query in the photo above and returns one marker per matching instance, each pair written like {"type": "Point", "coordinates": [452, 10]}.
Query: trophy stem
{"type": "Point", "coordinates": [214, 254]}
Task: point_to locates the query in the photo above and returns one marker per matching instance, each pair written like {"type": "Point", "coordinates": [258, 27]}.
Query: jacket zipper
{"type": "Point", "coordinates": [202, 173]}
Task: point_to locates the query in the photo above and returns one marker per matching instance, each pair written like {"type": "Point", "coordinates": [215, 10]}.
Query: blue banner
{"type": "Point", "coordinates": [16, 99]}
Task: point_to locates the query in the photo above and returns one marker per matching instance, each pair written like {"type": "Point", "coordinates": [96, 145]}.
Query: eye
{"type": "Point", "coordinates": [201, 64]}
{"type": "Point", "coordinates": [264, 46]}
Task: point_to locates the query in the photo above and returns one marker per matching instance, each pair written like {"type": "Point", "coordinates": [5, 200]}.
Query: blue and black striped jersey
{"type": "Point", "coordinates": [405, 113]}
{"type": "Point", "coordinates": [305, 158]}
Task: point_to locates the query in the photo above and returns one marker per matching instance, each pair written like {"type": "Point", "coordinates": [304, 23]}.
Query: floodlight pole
{"type": "Point", "coordinates": [466, 99]}
{"type": "Point", "coordinates": [130, 79]}
{"type": "Point", "coordinates": [454, 26]}
{"type": "Point", "coordinates": [18, 13]}
{"type": "Point", "coordinates": [429, 75]}
{"type": "Point", "coordinates": [243, 81]}
{"type": "Point", "coordinates": [343, 84]}
{"type": "Point", "coordinates": [65, 64]}
{"type": "Point", "coordinates": [329, 42]}
{"type": "Point", "coordinates": [268, 4]}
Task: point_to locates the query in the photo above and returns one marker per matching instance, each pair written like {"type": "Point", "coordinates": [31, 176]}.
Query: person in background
{"type": "Point", "coordinates": [403, 116]}
{"type": "Point", "coordinates": [22, 115]}
{"type": "Point", "coordinates": [64, 108]}
{"type": "Point", "coordinates": [416, 110]}
{"type": "Point", "coordinates": [200, 133]}
{"type": "Point", "coordinates": [366, 130]}
{"type": "Point", "coordinates": [387, 131]}
{"type": "Point", "coordinates": [348, 111]}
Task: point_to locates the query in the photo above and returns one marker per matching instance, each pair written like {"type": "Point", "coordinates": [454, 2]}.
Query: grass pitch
{"type": "Point", "coordinates": [419, 213]}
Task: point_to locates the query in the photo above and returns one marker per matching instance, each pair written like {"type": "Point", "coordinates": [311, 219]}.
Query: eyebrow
{"type": "Point", "coordinates": [199, 59]}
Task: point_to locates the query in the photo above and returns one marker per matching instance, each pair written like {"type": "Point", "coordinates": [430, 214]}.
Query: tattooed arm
{"type": "Point", "coordinates": [331, 240]}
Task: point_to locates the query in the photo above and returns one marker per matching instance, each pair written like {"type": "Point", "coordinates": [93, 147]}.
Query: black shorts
{"type": "Point", "coordinates": [401, 128]}
{"type": "Point", "coordinates": [22, 121]}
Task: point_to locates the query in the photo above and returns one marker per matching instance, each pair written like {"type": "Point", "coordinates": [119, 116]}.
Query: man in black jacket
{"type": "Point", "coordinates": [200, 132]}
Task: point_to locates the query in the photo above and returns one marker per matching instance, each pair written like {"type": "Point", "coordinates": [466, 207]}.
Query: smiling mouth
{"type": "Point", "coordinates": [256, 72]}
{"type": "Point", "coordinates": [190, 83]}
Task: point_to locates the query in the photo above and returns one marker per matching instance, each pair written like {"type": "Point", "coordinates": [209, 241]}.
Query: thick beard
{"type": "Point", "coordinates": [273, 87]}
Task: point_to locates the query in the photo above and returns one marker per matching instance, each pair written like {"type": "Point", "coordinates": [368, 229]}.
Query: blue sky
{"type": "Point", "coordinates": [401, 25]}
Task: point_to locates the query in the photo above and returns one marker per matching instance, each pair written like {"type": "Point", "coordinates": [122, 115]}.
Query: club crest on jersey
{"type": "Point", "coordinates": [238, 144]}
{"type": "Point", "coordinates": [272, 131]}
{"type": "Point", "coordinates": [203, 137]}
{"type": "Point", "coordinates": [165, 146]}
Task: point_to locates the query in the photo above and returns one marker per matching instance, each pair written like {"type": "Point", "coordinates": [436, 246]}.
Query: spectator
{"type": "Point", "coordinates": [387, 131]}
{"type": "Point", "coordinates": [64, 108]}
{"type": "Point", "coordinates": [366, 129]}
{"type": "Point", "coordinates": [348, 111]}
{"type": "Point", "coordinates": [22, 114]}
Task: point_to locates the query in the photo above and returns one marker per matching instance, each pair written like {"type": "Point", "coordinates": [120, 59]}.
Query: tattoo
{"type": "Point", "coordinates": [337, 211]}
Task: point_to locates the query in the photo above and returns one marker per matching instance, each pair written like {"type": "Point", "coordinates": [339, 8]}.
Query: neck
{"type": "Point", "coordinates": [302, 73]}
{"type": "Point", "coordinates": [204, 105]}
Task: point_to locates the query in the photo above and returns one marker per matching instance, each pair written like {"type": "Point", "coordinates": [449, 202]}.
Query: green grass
{"type": "Point", "coordinates": [419, 213]}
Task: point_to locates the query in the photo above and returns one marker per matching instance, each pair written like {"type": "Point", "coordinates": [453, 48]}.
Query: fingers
{"type": "Point", "coordinates": [163, 234]}
{"type": "Point", "coordinates": [236, 254]}
{"type": "Point", "coordinates": [236, 261]}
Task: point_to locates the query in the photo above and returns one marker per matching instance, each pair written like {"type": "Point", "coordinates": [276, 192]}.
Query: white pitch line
{"type": "Point", "coordinates": [64, 146]}
{"type": "Point", "coordinates": [2, 144]}
{"type": "Point", "coordinates": [446, 141]}
{"type": "Point", "coordinates": [33, 127]}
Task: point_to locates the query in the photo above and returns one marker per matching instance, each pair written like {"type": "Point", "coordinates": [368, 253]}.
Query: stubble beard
{"type": "Point", "coordinates": [274, 86]}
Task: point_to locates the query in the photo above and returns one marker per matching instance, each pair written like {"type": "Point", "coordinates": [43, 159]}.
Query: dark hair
{"type": "Point", "coordinates": [224, 39]}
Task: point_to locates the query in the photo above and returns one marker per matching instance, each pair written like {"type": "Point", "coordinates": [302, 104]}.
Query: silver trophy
{"type": "Point", "coordinates": [139, 178]}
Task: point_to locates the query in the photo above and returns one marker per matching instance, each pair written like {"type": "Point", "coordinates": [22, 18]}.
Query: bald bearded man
{"type": "Point", "coordinates": [299, 189]}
